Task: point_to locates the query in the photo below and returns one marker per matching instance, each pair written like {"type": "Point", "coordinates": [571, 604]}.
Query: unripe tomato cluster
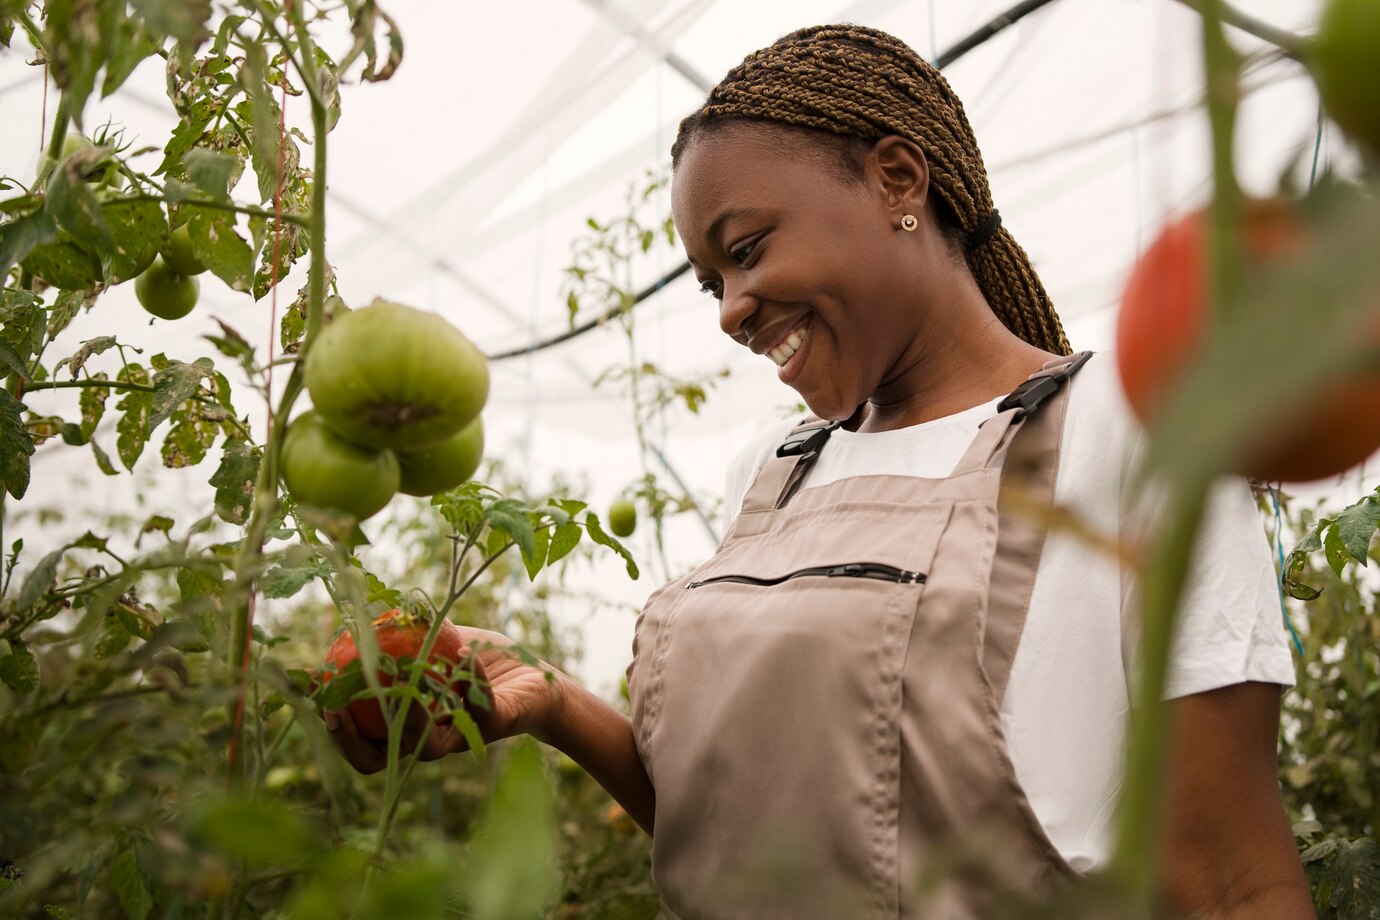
{"type": "Point", "coordinates": [397, 395]}
{"type": "Point", "coordinates": [168, 287]}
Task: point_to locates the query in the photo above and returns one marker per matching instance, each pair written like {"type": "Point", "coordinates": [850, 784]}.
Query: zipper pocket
{"type": "Point", "coordinates": [877, 570]}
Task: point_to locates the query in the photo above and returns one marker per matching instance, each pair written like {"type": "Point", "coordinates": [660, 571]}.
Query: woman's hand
{"type": "Point", "coordinates": [522, 698]}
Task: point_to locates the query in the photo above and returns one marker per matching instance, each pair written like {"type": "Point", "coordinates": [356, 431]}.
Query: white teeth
{"type": "Point", "coordinates": [782, 353]}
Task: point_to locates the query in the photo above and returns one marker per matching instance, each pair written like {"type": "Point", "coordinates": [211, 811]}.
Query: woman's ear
{"type": "Point", "coordinates": [904, 174]}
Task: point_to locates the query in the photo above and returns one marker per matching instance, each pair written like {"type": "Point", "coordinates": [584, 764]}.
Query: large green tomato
{"type": "Point", "coordinates": [104, 171]}
{"type": "Point", "coordinates": [390, 376]}
{"type": "Point", "coordinates": [179, 255]}
{"type": "Point", "coordinates": [443, 466]}
{"type": "Point", "coordinates": [165, 293]}
{"type": "Point", "coordinates": [321, 469]}
{"type": "Point", "coordinates": [1346, 62]}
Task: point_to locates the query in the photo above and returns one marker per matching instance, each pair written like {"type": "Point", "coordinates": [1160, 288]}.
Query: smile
{"type": "Point", "coordinates": [782, 353]}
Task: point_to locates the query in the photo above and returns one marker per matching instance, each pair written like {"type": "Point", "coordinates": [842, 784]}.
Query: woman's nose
{"type": "Point", "coordinates": [737, 310]}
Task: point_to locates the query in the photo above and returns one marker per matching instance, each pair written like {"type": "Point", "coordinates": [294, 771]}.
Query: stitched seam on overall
{"type": "Point", "coordinates": [883, 862]}
{"type": "Point", "coordinates": [657, 676]}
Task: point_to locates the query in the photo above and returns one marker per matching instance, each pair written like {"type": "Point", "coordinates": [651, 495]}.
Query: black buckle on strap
{"type": "Point", "coordinates": [808, 441]}
{"type": "Point", "coordinates": [1027, 397]}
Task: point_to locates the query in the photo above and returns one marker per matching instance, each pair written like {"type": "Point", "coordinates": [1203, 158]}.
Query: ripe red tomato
{"type": "Point", "coordinates": [1162, 324]}
{"type": "Point", "coordinates": [399, 636]}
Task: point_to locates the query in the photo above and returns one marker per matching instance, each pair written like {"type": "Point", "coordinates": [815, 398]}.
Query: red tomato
{"type": "Point", "coordinates": [399, 636]}
{"type": "Point", "coordinates": [1163, 323]}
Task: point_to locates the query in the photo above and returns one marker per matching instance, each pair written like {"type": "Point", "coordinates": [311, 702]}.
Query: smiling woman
{"type": "Point", "coordinates": [890, 692]}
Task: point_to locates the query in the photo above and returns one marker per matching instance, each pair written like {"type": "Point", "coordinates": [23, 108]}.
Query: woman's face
{"type": "Point", "coordinates": [809, 268]}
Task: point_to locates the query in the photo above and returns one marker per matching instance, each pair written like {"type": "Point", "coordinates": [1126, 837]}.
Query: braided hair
{"type": "Point", "coordinates": [845, 87]}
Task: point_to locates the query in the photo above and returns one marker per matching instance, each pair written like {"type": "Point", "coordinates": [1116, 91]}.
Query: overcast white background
{"type": "Point", "coordinates": [459, 185]}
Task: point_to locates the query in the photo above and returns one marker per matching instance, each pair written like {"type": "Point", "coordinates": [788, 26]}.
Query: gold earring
{"type": "Point", "coordinates": [909, 223]}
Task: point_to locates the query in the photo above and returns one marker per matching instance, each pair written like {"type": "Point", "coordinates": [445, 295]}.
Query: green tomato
{"type": "Point", "coordinates": [445, 465]}
{"type": "Point", "coordinates": [179, 255]}
{"type": "Point", "coordinates": [622, 518]}
{"type": "Point", "coordinates": [165, 293]}
{"type": "Point", "coordinates": [1346, 63]}
{"type": "Point", "coordinates": [320, 468]}
{"type": "Point", "coordinates": [105, 172]}
{"type": "Point", "coordinates": [390, 376]}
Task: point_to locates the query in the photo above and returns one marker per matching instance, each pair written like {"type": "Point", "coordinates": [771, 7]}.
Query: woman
{"type": "Point", "coordinates": [887, 669]}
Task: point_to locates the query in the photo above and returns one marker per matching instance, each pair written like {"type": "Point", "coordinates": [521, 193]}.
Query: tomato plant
{"type": "Point", "coordinates": [445, 465]}
{"type": "Point", "coordinates": [1346, 60]}
{"type": "Point", "coordinates": [1163, 324]}
{"type": "Point", "coordinates": [391, 376]}
{"type": "Point", "coordinates": [164, 292]}
{"type": "Point", "coordinates": [154, 671]}
{"type": "Point", "coordinates": [322, 469]}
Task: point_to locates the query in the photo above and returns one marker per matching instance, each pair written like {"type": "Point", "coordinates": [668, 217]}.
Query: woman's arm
{"type": "Point", "coordinates": [600, 739]}
{"type": "Point", "coordinates": [1228, 851]}
{"type": "Point", "coordinates": [535, 699]}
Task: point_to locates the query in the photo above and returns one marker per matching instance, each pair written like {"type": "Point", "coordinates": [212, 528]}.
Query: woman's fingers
{"type": "Point", "coordinates": [365, 755]}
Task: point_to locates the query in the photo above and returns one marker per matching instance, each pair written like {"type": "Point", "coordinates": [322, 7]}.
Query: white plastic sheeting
{"type": "Point", "coordinates": [459, 185]}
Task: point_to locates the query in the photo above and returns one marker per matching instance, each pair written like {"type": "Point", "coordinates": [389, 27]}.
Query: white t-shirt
{"type": "Point", "coordinates": [1066, 704]}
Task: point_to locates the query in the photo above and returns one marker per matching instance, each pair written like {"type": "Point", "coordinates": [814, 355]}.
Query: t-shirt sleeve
{"type": "Point", "coordinates": [1231, 626]}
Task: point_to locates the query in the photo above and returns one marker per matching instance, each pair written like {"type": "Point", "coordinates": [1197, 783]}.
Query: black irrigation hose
{"type": "Point", "coordinates": [996, 25]}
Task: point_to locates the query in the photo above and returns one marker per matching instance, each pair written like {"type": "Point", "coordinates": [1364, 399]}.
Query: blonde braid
{"type": "Point", "coordinates": [861, 83]}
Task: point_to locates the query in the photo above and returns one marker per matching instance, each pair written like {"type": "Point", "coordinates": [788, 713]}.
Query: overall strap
{"type": "Point", "coordinates": [780, 476]}
{"type": "Point", "coordinates": [1028, 471]}
{"type": "Point", "coordinates": [995, 433]}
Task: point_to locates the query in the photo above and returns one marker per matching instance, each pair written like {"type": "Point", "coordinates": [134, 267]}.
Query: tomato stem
{"type": "Point", "coordinates": [1135, 857]}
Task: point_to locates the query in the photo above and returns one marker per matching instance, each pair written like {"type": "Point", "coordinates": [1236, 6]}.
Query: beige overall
{"type": "Point", "coordinates": [818, 704]}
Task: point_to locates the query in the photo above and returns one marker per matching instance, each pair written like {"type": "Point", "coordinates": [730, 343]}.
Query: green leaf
{"type": "Point", "coordinates": [114, 638]}
{"type": "Point", "coordinates": [174, 385]}
{"type": "Point", "coordinates": [1356, 527]}
{"type": "Point", "coordinates": [134, 622]}
{"type": "Point", "coordinates": [65, 309]}
{"type": "Point", "coordinates": [509, 516]}
{"type": "Point", "coordinates": [11, 363]}
{"type": "Point", "coordinates": [39, 581]}
{"type": "Point", "coordinates": [66, 265]}
{"type": "Point", "coordinates": [211, 171]}
{"type": "Point", "coordinates": [136, 46]}
{"type": "Point", "coordinates": [156, 523]}
{"type": "Point", "coordinates": [462, 508]}
{"type": "Point", "coordinates": [597, 534]}
{"type": "Point", "coordinates": [19, 237]}
{"type": "Point", "coordinates": [16, 446]}
{"type": "Point", "coordinates": [513, 870]}
{"type": "Point", "coordinates": [138, 229]}
{"type": "Point", "coordinates": [220, 248]}
{"type": "Point", "coordinates": [194, 429]}
{"type": "Point", "coordinates": [88, 348]}
{"type": "Point", "coordinates": [338, 690]}
{"type": "Point", "coordinates": [128, 883]}
{"type": "Point", "coordinates": [19, 669]}
{"type": "Point", "coordinates": [1350, 879]}
{"type": "Point", "coordinates": [565, 538]}
{"type": "Point", "coordinates": [103, 460]}
{"type": "Point", "coordinates": [184, 20]}
{"type": "Point", "coordinates": [74, 205]}
{"type": "Point", "coordinates": [285, 581]}
{"type": "Point", "coordinates": [1334, 550]}
{"type": "Point", "coordinates": [376, 590]}
{"type": "Point", "coordinates": [234, 481]}
{"type": "Point", "coordinates": [541, 539]}
{"type": "Point", "coordinates": [92, 403]}
{"type": "Point", "coordinates": [132, 429]}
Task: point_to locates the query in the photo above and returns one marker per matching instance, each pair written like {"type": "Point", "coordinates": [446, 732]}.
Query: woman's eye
{"type": "Point", "coordinates": [710, 287]}
{"type": "Point", "coordinates": [742, 253]}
